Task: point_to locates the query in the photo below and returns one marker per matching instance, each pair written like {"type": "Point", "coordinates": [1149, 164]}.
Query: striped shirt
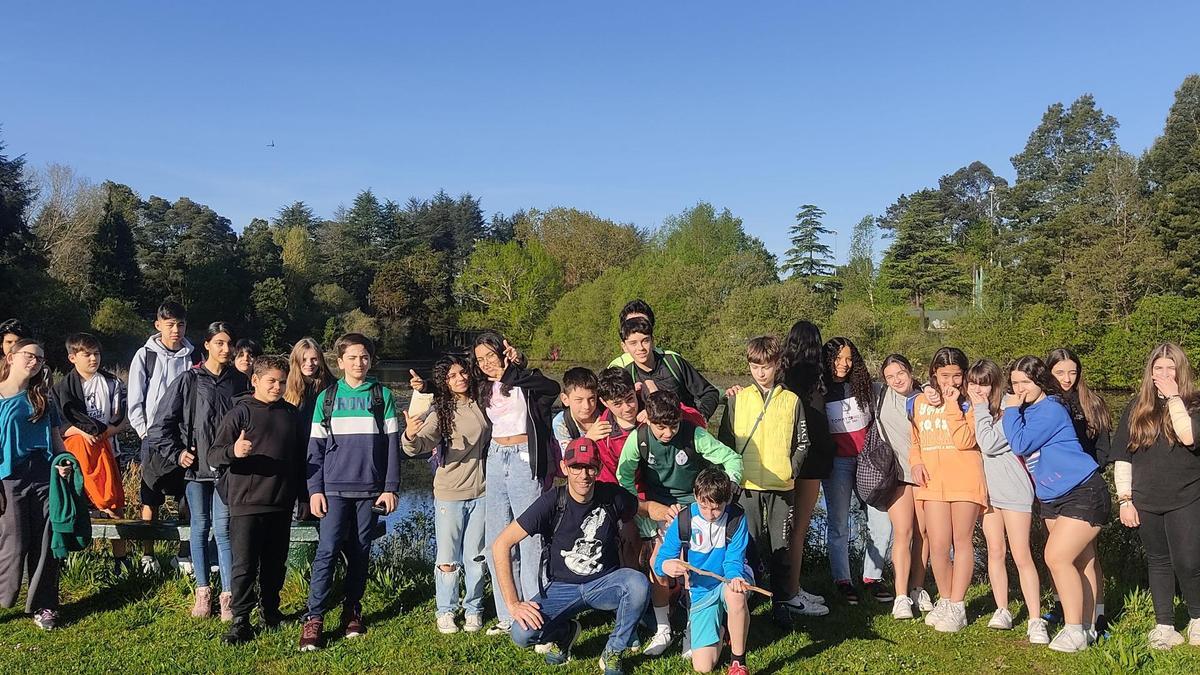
{"type": "Point", "coordinates": [354, 457]}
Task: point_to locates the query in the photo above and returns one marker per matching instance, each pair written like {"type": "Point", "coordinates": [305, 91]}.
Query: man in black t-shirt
{"type": "Point", "coordinates": [579, 525]}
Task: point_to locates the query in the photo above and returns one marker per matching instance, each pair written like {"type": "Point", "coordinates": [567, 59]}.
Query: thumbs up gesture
{"type": "Point", "coordinates": [415, 381]}
{"type": "Point", "coordinates": [412, 425]}
{"type": "Point", "coordinates": [242, 446]}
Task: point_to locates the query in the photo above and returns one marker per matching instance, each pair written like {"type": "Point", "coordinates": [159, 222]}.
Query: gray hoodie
{"type": "Point", "coordinates": [1008, 483]}
{"type": "Point", "coordinates": [146, 390]}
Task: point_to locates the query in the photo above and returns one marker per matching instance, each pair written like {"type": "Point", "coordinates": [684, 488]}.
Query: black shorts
{"type": "Point", "coordinates": [156, 497]}
{"type": "Point", "coordinates": [1089, 501]}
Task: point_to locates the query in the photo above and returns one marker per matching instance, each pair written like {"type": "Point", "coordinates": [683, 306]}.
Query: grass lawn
{"type": "Point", "coordinates": [141, 624]}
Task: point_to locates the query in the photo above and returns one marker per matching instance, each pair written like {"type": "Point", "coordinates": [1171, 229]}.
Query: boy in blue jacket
{"type": "Point", "coordinates": [717, 538]}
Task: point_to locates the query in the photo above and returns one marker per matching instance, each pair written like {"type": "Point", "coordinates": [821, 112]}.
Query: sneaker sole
{"type": "Point", "coordinates": [796, 611]}
{"type": "Point", "coordinates": [447, 631]}
{"type": "Point", "coordinates": [309, 648]}
{"type": "Point", "coordinates": [940, 629]}
{"type": "Point", "coordinates": [903, 616]}
{"type": "Point", "coordinates": [351, 636]}
{"type": "Point", "coordinates": [999, 627]}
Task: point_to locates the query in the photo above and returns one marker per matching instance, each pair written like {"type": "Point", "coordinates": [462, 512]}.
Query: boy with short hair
{"type": "Point", "coordinates": [578, 416]}
{"type": "Point", "coordinates": [353, 477]}
{"type": "Point", "coordinates": [711, 535]}
{"type": "Point", "coordinates": [11, 330]}
{"type": "Point", "coordinates": [664, 457]}
{"type": "Point", "coordinates": [166, 355]}
{"type": "Point", "coordinates": [92, 403]}
{"type": "Point", "coordinates": [765, 424]}
{"type": "Point", "coordinates": [259, 442]}
{"type": "Point", "coordinates": [659, 370]}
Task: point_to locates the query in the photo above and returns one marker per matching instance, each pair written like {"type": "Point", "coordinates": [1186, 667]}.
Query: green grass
{"type": "Point", "coordinates": [141, 624]}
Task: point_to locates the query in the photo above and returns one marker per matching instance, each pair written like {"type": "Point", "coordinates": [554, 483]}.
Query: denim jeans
{"type": "Point", "coordinates": [624, 590]}
{"type": "Point", "coordinates": [511, 488]}
{"type": "Point", "coordinates": [839, 494]}
{"type": "Point", "coordinates": [458, 527]}
{"type": "Point", "coordinates": [209, 515]}
{"type": "Point", "coordinates": [346, 527]}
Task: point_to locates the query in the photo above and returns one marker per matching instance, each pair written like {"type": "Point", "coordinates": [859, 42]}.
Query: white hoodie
{"type": "Point", "coordinates": [144, 396]}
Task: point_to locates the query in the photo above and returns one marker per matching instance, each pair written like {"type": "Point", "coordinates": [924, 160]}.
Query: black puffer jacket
{"type": "Point", "coordinates": [179, 426]}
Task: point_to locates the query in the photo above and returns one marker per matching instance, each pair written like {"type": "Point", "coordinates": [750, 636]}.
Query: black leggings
{"type": "Point", "coordinates": [1172, 552]}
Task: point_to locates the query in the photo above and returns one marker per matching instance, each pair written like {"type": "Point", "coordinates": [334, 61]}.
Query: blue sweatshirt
{"type": "Point", "coordinates": [354, 458]}
{"type": "Point", "coordinates": [1044, 435]}
{"type": "Point", "coordinates": [708, 551]}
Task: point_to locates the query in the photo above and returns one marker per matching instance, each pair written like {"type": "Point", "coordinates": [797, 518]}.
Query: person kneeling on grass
{"type": "Point", "coordinates": [580, 523]}
{"type": "Point", "coordinates": [712, 535]}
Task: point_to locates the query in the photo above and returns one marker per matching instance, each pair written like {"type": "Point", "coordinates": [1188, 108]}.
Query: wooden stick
{"type": "Point", "coordinates": [718, 577]}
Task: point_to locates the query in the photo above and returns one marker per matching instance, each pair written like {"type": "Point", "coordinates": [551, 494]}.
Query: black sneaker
{"type": "Point", "coordinates": [560, 652]}
{"type": "Point", "coordinates": [240, 631]}
{"type": "Point", "coordinates": [877, 589]}
{"type": "Point", "coordinates": [846, 589]}
{"type": "Point", "coordinates": [272, 617]}
{"type": "Point", "coordinates": [781, 616]}
{"type": "Point", "coordinates": [1102, 626]}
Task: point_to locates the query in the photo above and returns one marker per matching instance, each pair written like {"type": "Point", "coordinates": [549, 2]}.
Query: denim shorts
{"type": "Point", "coordinates": [1089, 501]}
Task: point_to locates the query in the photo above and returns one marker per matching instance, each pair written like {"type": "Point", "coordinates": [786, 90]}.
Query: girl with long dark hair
{"type": "Point", "coordinates": [29, 440]}
{"type": "Point", "coordinates": [456, 432]}
{"type": "Point", "coordinates": [1157, 476]}
{"type": "Point", "coordinates": [1067, 481]}
{"type": "Point", "coordinates": [517, 401]}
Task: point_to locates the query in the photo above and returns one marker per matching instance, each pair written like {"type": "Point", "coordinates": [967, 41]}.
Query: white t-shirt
{"type": "Point", "coordinates": [507, 413]}
{"type": "Point", "coordinates": [98, 397]}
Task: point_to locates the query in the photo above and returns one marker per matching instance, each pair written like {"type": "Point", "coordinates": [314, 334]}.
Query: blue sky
{"type": "Point", "coordinates": [632, 110]}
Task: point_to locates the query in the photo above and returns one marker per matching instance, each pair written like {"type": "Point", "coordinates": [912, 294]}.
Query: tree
{"type": "Point", "coordinates": [1172, 167]}
{"type": "Point", "coordinates": [414, 291]}
{"type": "Point", "coordinates": [583, 243]}
{"type": "Point", "coordinates": [270, 303]}
{"type": "Point", "coordinates": [261, 257]}
{"type": "Point", "coordinates": [113, 272]}
{"type": "Point", "coordinates": [17, 193]}
{"type": "Point", "coordinates": [508, 287]}
{"type": "Point", "coordinates": [297, 214]}
{"type": "Point", "coordinates": [920, 261]}
{"type": "Point", "coordinates": [857, 278]}
{"type": "Point", "coordinates": [66, 216]}
{"type": "Point", "coordinates": [809, 259]}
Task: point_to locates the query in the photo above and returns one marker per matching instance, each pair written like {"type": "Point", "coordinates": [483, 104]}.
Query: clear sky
{"type": "Point", "coordinates": [632, 110]}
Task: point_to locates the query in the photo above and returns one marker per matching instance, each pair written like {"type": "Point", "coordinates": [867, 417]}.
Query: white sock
{"type": "Point", "coordinates": [662, 616]}
{"type": "Point", "coordinates": [1099, 608]}
{"type": "Point", "coordinates": [1077, 627]}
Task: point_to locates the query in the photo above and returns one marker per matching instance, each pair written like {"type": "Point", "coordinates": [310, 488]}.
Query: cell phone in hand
{"type": "Point", "coordinates": [379, 509]}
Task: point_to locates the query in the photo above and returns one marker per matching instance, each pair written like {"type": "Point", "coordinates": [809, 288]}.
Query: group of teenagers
{"type": "Point", "coordinates": [621, 501]}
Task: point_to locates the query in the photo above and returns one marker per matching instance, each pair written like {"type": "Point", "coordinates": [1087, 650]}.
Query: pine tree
{"type": "Point", "coordinates": [113, 273]}
{"type": "Point", "coordinates": [1172, 166]}
{"type": "Point", "coordinates": [809, 259]}
{"type": "Point", "coordinates": [921, 259]}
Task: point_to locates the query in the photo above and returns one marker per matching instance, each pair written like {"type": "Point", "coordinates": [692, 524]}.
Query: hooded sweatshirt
{"type": "Point", "coordinates": [459, 472]}
{"type": "Point", "coordinates": [269, 478]}
{"type": "Point", "coordinates": [943, 439]}
{"type": "Point", "coordinates": [146, 390]}
{"type": "Point", "coordinates": [1044, 435]}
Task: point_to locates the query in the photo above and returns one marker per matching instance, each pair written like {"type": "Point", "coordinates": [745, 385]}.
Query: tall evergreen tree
{"type": "Point", "coordinates": [113, 273]}
{"type": "Point", "coordinates": [858, 276]}
{"type": "Point", "coordinates": [297, 214]}
{"type": "Point", "coordinates": [921, 260]}
{"type": "Point", "coordinates": [1172, 167]}
{"type": "Point", "coordinates": [809, 258]}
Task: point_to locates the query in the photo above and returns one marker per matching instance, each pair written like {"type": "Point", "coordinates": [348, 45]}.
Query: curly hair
{"type": "Point", "coordinates": [444, 403]}
{"type": "Point", "coordinates": [858, 379]}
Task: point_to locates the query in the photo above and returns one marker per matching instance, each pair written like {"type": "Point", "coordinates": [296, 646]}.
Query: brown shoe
{"type": "Point", "coordinates": [310, 634]}
{"type": "Point", "coordinates": [352, 623]}
{"type": "Point", "coordinates": [226, 607]}
{"type": "Point", "coordinates": [202, 609]}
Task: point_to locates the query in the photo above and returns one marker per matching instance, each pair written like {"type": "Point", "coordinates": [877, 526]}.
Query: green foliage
{"type": "Point", "coordinates": [270, 303]}
{"type": "Point", "coordinates": [111, 274]}
{"type": "Point", "coordinates": [1120, 356]}
{"type": "Point", "coordinates": [509, 287]}
{"type": "Point", "coordinates": [585, 244]}
{"type": "Point", "coordinates": [809, 259]}
{"type": "Point", "coordinates": [750, 311]}
{"type": "Point", "coordinates": [1003, 335]}
{"type": "Point", "coordinates": [1172, 165]}
{"type": "Point", "coordinates": [358, 321]}
{"type": "Point", "coordinates": [120, 327]}
{"type": "Point", "coordinates": [921, 260]}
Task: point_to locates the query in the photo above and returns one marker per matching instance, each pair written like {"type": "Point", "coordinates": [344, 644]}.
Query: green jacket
{"type": "Point", "coordinates": [70, 523]}
{"type": "Point", "coordinates": [669, 472]}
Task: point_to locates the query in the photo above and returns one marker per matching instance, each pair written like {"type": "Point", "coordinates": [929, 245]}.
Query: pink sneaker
{"type": "Point", "coordinates": [202, 609]}
{"type": "Point", "coordinates": [226, 607]}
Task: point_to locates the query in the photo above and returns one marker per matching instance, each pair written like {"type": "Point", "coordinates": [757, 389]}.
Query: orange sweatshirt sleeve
{"type": "Point", "coordinates": [962, 428]}
{"type": "Point", "coordinates": [914, 449]}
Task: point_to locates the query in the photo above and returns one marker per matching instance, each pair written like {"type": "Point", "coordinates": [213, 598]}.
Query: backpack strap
{"type": "Point", "coordinates": [151, 361]}
{"type": "Point", "coordinates": [643, 442]}
{"type": "Point", "coordinates": [683, 525]}
{"type": "Point", "coordinates": [736, 515]}
{"type": "Point", "coordinates": [677, 369]}
{"type": "Point", "coordinates": [378, 407]}
{"type": "Point", "coordinates": [327, 405]}
{"type": "Point", "coordinates": [560, 508]}
{"type": "Point", "coordinates": [754, 427]}
{"type": "Point", "coordinates": [192, 396]}
{"type": "Point", "coordinates": [572, 425]}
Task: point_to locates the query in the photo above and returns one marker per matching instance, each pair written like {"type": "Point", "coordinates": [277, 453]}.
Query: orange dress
{"type": "Point", "coordinates": [101, 479]}
{"type": "Point", "coordinates": [943, 439]}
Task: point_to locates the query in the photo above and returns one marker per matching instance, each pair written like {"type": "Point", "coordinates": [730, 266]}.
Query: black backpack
{"type": "Point", "coordinates": [878, 476]}
{"type": "Point", "coordinates": [683, 525]}
{"type": "Point", "coordinates": [377, 407]}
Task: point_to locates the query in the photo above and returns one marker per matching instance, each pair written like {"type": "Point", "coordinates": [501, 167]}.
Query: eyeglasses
{"type": "Point", "coordinates": [489, 359]}
{"type": "Point", "coordinates": [30, 356]}
{"type": "Point", "coordinates": [584, 468]}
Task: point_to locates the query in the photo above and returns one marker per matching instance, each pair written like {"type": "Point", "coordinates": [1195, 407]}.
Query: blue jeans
{"type": "Point", "coordinates": [209, 515]}
{"type": "Point", "coordinates": [458, 527]}
{"type": "Point", "coordinates": [839, 493]}
{"type": "Point", "coordinates": [511, 488]}
{"type": "Point", "coordinates": [346, 528]}
{"type": "Point", "coordinates": [624, 590]}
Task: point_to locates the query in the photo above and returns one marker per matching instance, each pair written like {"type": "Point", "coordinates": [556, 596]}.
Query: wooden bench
{"type": "Point", "coordinates": [303, 541]}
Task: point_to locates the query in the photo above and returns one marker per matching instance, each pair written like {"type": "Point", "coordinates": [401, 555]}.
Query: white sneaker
{"type": "Point", "coordinates": [924, 602]}
{"type": "Point", "coordinates": [1193, 632]}
{"type": "Point", "coordinates": [1037, 631]}
{"type": "Point", "coordinates": [1001, 619]}
{"type": "Point", "coordinates": [686, 651]}
{"type": "Point", "coordinates": [185, 568]}
{"type": "Point", "coordinates": [659, 643]}
{"type": "Point", "coordinates": [902, 607]}
{"type": "Point", "coordinates": [501, 628]}
{"type": "Point", "coordinates": [1164, 637]}
{"type": "Point", "coordinates": [810, 598]}
{"type": "Point", "coordinates": [473, 623]}
{"type": "Point", "coordinates": [150, 565]}
{"type": "Point", "coordinates": [446, 624]}
{"type": "Point", "coordinates": [798, 605]}
{"type": "Point", "coordinates": [952, 619]}
{"type": "Point", "coordinates": [932, 616]}
{"type": "Point", "coordinates": [1092, 636]}
{"type": "Point", "coordinates": [1072, 640]}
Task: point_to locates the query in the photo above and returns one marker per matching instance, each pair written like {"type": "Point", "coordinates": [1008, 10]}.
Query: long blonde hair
{"type": "Point", "coordinates": [1148, 418]}
{"type": "Point", "coordinates": [299, 384]}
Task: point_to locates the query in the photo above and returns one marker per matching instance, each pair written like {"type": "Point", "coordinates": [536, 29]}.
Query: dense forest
{"type": "Point", "coordinates": [1089, 247]}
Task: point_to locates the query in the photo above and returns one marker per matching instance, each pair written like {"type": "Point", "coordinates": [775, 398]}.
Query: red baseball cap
{"type": "Point", "coordinates": [582, 451]}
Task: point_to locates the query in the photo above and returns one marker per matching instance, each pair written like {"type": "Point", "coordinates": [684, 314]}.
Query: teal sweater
{"type": "Point", "coordinates": [70, 524]}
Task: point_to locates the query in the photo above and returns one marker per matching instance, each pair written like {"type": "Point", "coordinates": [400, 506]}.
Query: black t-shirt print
{"type": "Point", "coordinates": [584, 547]}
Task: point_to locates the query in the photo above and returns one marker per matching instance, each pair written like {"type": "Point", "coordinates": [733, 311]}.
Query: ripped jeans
{"type": "Point", "coordinates": [458, 528]}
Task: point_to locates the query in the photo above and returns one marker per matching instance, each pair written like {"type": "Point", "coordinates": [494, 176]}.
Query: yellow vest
{"type": "Point", "coordinates": [767, 457]}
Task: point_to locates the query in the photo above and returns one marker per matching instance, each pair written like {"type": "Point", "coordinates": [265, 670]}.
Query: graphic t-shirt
{"type": "Point", "coordinates": [98, 399]}
{"type": "Point", "coordinates": [848, 419]}
{"type": "Point", "coordinates": [583, 547]}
